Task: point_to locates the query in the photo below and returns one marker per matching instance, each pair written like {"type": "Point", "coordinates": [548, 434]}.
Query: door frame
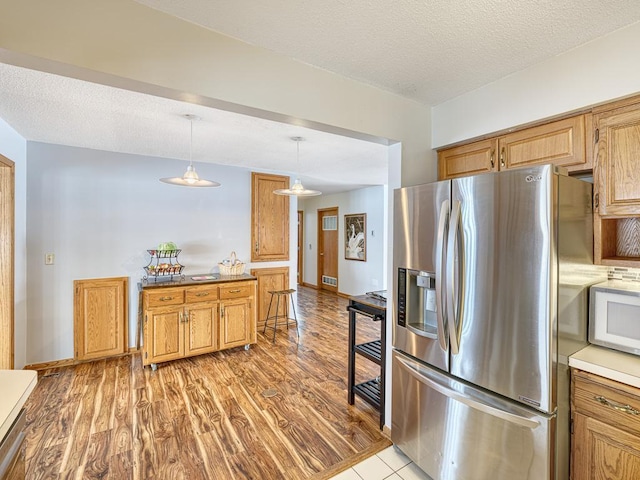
{"type": "Point", "coordinates": [319, 259]}
{"type": "Point", "coordinates": [299, 273]}
{"type": "Point", "coordinates": [7, 262]}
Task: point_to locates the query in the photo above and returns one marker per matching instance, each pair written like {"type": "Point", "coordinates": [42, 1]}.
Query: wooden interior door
{"type": "Point", "coordinates": [100, 317]}
{"type": "Point", "coordinates": [7, 234]}
{"type": "Point", "coordinates": [269, 279]}
{"type": "Point", "coordinates": [299, 276]}
{"type": "Point", "coordinates": [328, 249]}
{"type": "Point", "coordinates": [269, 218]}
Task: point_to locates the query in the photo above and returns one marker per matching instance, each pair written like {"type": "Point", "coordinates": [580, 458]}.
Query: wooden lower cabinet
{"type": "Point", "coordinates": [187, 321]}
{"type": "Point", "coordinates": [270, 279]}
{"type": "Point", "coordinates": [606, 429]}
{"type": "Point", "coordinates": [100, 318]}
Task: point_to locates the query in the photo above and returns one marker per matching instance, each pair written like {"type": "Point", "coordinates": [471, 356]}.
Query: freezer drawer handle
{"type": "Point", "coordinates": [617, 406]}
{"type": "Point", "coordinates": [465, 399]}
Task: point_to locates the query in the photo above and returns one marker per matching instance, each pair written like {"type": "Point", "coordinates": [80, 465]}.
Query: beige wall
{"type": "Point", "coordinates": [123, 43]}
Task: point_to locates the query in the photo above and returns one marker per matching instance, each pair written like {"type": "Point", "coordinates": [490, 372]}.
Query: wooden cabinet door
{"type": "Point", "coordinates": [100, 317]}
{"type": "Point", "coordinates": [201, 323]}
{"type": "Point", "coordinates": [237, 323]}
{"type": "Point", "coordinates": [164, 334]}
{"type": "Point", "coordinates": [603, 452]}
{"type": "Point", "coordinates": [470, 159]}
{"type": "Point", "coordinates": [561, 143]}
{"type": "Point", "coordinates": [617, 169]}
{"type": "Point", "coordinates": [606, 428]}
{"type": "Point", "coordinates": [269, 218]}
{"type": "Point", "coordinates": [270, 279]}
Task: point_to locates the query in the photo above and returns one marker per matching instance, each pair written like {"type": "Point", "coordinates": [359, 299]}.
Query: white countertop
{"type": "Point", "coordinates": [612, 364]}
{"type": "Point", "coordinates": [16, 386]}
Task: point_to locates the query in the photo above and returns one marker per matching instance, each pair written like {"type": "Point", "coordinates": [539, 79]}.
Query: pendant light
{"type": "Point", "coordinates": [297, 189]}
{"type": "Point", "coordinates": [190, 177]}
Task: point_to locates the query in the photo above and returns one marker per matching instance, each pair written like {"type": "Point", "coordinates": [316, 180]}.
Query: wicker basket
{"type": "Point", "coordinates": [232, 266]}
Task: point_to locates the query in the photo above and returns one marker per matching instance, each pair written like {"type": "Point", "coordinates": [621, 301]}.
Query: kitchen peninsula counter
{"type": "Point", "coordinates": [16, 386]}
{"type": "Point", "coordinates": [605, 362]}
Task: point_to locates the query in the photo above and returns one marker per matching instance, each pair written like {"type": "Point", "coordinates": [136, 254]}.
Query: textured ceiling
{"type": "Point", "coordinates": [53, 109]}
{"type": "Point", "coordinates": [428, 50]}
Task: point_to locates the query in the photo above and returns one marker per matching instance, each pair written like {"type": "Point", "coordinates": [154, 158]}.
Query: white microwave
{"type": "Point", "coordinates": [614, 315]}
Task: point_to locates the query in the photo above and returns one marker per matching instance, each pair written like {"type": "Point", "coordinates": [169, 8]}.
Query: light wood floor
{"type": "Point", "coordinates": [211, 417]}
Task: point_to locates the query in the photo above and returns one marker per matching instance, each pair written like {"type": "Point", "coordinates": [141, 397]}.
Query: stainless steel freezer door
{"type": "Point", "coordinates": [455, 432]}
{"type": "Point", "coordinates": [508, 275]}
{"type": "Point", "coordinates": [421, 214]}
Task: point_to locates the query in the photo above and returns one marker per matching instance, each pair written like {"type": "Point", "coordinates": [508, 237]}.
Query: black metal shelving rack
{"type": "Point", "coordinates": [371, 391]}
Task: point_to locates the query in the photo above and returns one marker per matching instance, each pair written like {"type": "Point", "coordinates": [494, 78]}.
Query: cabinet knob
{"type": "Point", "coordinates": [165, 299]}
{"type": "Point", "coordinates": [493, 163]}
{"type": "Point", "coordinates": [502, 155]}
{"type": "Point", "coordinates": [202, 294]}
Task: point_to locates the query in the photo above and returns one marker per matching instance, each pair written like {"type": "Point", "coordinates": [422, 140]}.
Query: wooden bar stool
{"type": "Point", "coordinates": [287, 321]}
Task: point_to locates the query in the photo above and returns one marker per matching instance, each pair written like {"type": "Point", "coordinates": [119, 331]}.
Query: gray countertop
{"type": "Point", "coordinates": [194, 279]}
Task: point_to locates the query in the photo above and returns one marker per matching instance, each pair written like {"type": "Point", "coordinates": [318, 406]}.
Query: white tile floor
{"type": "Point", "coordinates": [390, 464]}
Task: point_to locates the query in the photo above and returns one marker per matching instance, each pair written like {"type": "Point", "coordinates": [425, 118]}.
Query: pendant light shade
{"type": "Point", "coordinates": [297, 189]}
{"type": "Point", "coordinates": [190, 177]}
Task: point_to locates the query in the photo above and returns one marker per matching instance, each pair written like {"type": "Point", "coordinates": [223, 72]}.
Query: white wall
{"type": "Point", "coordinates": [354, 277]}
{"type": "Point", "coordinates": [99, 212]}
{"type": "Point", "coordinates": [599, 71]}
{"type": "Point", "coordinates": [14, 147]}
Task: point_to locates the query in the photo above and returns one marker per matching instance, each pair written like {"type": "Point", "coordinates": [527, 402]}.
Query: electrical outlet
{"type": "Point", "coordinates": [49, 258]}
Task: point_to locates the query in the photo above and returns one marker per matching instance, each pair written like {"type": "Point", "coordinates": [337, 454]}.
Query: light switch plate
{"type": "Point", "coordinates": [49, 258]}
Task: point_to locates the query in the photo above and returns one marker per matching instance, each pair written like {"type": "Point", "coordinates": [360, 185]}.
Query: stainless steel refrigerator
{"type": "Point", "coordinates": [490, 298]}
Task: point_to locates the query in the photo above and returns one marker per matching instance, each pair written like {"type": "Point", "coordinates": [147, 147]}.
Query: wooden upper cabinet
{"type": "Point", "coordinates": [562, 143]}
{"type": "Point", "coordinates": [617, 171]}
{"type": "Point", "coordinates": [100, 317]}
{"type": "Point", "coordinates": [470, 159]}
{"type": "Point", "coordinates": [269, 218]}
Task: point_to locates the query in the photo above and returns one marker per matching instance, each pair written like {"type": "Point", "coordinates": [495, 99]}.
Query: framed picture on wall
{"type": "Point", "coordinates": [355, 229]}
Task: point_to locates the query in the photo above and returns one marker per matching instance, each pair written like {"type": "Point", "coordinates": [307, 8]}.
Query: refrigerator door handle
{"type": "Point", "coordinates": [440, 260]}
{"type": "Point", "coordinates": [413, 370]}
{"type": "Point", "coordinates": [454, 314]}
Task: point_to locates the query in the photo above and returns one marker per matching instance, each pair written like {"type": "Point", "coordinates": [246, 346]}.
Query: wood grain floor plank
{"type": "Point", "coordinates": [276, 411]}
{"type": "Point", "coordinates": [122, 435]}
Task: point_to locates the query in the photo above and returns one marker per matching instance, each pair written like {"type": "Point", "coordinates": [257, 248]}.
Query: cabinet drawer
{"type": "Point", "coordinates": [236, 290]}
{"type": "Point", "coordinates": [608, 401]}
{"type": "Point", "coordinates": [164, 296]}
{"type": "Point", "coordinates": [204, 293]}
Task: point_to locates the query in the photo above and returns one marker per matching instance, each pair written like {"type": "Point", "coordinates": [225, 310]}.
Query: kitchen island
{"type": "Point", "coordinates": [196, 314]}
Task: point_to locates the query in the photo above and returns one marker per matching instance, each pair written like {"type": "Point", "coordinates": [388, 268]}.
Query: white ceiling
{"type": "Point", "coordinates": [430, 51]}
